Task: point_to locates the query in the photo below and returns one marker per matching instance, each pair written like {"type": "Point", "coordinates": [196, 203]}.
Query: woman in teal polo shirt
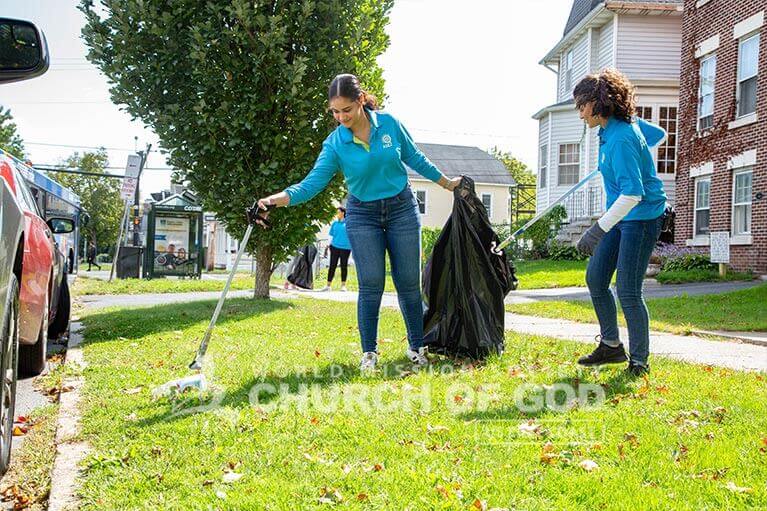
{"type": "Point", "coordinates": [371, 148]}
{"type": "Point", "coordinates": [340, 249]}
{"type": "Point", "coordinates": [624, 237]}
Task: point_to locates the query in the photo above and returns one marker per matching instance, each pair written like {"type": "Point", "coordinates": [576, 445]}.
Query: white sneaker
{"type": "Point", "coordinates": [326, 288]}
{"type": "Point", "coordinates": [369, 361]}
{"type": "Point", "coordinates": [418, 357]}
{"type": "Point", "coordinates": [343, 287]}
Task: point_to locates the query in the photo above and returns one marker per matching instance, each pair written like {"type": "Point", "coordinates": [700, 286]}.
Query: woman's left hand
{"type": "Point", "coordinates": [452, 183]}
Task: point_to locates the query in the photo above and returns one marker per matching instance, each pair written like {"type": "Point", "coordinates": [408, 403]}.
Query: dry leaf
{"type": "Point", "coordinates": [458, 399]}
{"type": "Point", "coordinates": [529, 428]}
{"type": "Point", "coordinates": [330, 496]}
{"type": "Point", "coordinates": [481, 505]}
{"type": "Point", "coordinates": [314, 421]}
{"type": "Point", "coordinates": [588, 465]}
{"type": "Point", "coordinates": [134, 390]}
{"type": "Point", "coordinates": [317, 353]}
{"type": "Point", "coordinates": [362, 497]}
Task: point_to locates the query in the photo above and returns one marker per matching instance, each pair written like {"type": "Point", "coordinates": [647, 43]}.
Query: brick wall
{"type": "Point", "coordinates": [721, 142]}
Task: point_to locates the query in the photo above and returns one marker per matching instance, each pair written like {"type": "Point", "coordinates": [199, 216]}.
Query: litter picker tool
{"type": "Point", "coordinates": [254, 216]}
{"type": "Point", "coordinates": [497, 249]}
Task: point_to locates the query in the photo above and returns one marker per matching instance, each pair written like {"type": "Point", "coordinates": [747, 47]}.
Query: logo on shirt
{"type": "Point", "coordinates": [386, 139]}
{"type": "Point", "coordinates": [603, 158]}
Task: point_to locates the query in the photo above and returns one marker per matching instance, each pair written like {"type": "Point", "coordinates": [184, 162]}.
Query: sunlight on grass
{"type": "Point", "coordinates": [674, 441]}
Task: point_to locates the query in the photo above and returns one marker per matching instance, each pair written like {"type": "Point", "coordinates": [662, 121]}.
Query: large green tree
{"type": "Point", "coordinates": [237, 93]}
{"type": "Point", "coordinates": [9, 137]}
{"type": "Point", "coordinates": [100, 196]}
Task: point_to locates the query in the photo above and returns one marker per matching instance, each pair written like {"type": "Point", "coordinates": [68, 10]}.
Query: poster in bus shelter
{"type": "Point", "coordinates": [171, 243]}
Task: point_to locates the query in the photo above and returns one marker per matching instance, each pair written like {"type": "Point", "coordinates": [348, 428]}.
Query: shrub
{"type": "Point", "coordinates": [429, 237]}
{"type": "Point", "coordinates": [688, 262]}
{"type": "Point", "coordinates": [562, 252]}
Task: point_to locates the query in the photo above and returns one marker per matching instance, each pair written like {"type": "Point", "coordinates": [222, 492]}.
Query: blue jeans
{"type": "Point", "coordinates": [374, 227]}
{"type": "Point", "coordinates": [626, 247]}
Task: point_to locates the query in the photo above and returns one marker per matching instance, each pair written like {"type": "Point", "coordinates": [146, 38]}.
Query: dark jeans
{"type": "Point", "coordinates": [626, 247]}
{"type": "Point", "coordinates": [94, 263]}
{"type": "Point", "coordinates": [375, 227]}
{"type": "Point", "coordinates": [337, 254]}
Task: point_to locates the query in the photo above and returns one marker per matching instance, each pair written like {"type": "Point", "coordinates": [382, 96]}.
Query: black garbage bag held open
{"type": "Point", "coordinates": [302, 274]}
{"type": "Point", "coordinates": [465, 283]}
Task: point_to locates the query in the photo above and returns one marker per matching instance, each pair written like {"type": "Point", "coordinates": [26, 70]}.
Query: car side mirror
{"type": "Point", "coordinates": [23, 51]}
{"type": "Point", "coordinates": [61, 225]}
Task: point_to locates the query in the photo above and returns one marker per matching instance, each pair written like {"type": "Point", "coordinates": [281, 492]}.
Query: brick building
{"type": "Point", "coordinates": [721, 182]}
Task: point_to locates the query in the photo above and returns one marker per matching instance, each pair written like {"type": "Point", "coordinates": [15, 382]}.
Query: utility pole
{"type": "Point", "coordinates": [136, 219]}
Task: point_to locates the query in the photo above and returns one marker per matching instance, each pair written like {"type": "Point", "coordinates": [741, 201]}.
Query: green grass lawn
{"type": "Point", "coordinates": [687, 438]}
{"type": "Point", "coordinates": [684, 276]}
{"type": "Point", "coordinates": [744, 310]}
{"type": "Point", "coordinates": [547, 274]}
{"type": "Point", "coordinates": [87, 286]}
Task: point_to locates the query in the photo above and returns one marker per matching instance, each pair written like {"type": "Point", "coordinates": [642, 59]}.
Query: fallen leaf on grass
{"type": "Point", "coordinates": [435, 429]}
{"type": "Point", "coordinates": [315, 421]}
{"type": "Point", "coordinates": [362, 497]}
{"type": "Point", "coordinates": [588, 465]}
{"type": "Point", "coordinates": [480, 505]}
{"type": "Point", "coordinates": [737, 489]}
{"type": "Point", "coordinates": [134, 390]}
{"type": "Point", "coordinates": [317, 353]}
{"type": "Point", "coordinates": [375, 468]}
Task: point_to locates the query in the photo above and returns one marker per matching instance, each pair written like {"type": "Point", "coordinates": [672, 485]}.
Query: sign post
{"type": "Point", "coordinates": [720, 250]}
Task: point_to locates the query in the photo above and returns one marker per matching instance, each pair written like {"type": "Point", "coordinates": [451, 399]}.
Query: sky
{"type": "Point", "coordinates": [459, 72]}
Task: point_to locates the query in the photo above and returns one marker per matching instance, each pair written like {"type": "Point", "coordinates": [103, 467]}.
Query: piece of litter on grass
{"type": "Point", "coordinates": [134, 390]}
{"type": "Point", "coordinates": [737, 489]}
{"type": "Point", "coordinates": [231, 477]}
{"type": "Point", "coordinates": [19, 431]}
{"type": "Point", "coordinates": [221, 494]}
{"type": "Point", "coordinates": [588, 465]}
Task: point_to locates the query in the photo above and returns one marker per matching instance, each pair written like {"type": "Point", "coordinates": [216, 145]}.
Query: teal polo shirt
{"type": "Point", "coordinates": [338, 233]}
{"type": "Point", "coordinates": [627, 167]}
{"type": "Point", "coordinates": [374, 172]}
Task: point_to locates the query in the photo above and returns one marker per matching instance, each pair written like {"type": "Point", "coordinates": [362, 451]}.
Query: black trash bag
{"type": "Point", "coordinates": [302, 274]}
{"type": "Point", "coordinates": [465, 283]}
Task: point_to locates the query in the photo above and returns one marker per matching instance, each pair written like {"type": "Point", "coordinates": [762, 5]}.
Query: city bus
{"type": "Point", "coordinates": [58, 201]}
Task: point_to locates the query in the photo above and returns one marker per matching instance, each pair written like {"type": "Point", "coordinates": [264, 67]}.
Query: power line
{"type": "Point", "coordinates": [79, 146]}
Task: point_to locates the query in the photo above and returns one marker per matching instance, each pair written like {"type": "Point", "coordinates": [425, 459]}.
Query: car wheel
{"type": "Point", "coordinates": [60, 323]}
{"type": "Point", "coordinates": [9, 335]}
{"type": "Point", "coordinates": [32, 356]}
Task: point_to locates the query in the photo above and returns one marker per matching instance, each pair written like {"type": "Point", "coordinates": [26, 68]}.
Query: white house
{"type": "Point", "coordinates": [642, 39]}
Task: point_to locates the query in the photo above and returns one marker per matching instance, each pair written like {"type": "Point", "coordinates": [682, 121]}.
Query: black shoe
{"type": "Point", "coordinates": [637, 370]}
{"type": "Point", "coordinates": [604, 354]}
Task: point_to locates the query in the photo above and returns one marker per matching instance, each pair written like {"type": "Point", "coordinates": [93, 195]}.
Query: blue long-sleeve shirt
{"type": "Point", "coordinates": [627, 166]}
{"type": "Point", "coordinates": [371, 173]}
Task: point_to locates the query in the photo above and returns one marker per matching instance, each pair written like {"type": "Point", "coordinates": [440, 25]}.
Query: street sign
{"type": "Point", "coordinates": [720, 247]}
{"type": "Point", "coordinates": [128, 189]}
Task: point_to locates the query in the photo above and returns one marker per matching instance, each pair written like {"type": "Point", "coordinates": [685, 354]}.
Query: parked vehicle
{"type": "Point", "coordinates": [44, 295]}
{"type": "Point", "coordinates": [23, 55]}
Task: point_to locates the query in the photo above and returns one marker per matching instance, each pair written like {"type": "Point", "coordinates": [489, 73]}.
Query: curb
{"type": "Point", "coordinates": [729, 337]}
{"type": "Point", "coordinates": [69, 450]}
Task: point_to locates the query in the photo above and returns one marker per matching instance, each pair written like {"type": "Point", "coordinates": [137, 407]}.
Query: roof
{"type": "Point", "coordinates": [456, 160]}
{"type": "Point", "coordinates": [582, 7]}
{"type": "Point", "coordinates": [562, 105]}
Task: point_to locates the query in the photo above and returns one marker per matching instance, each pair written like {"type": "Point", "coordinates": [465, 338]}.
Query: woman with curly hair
{"type": "Point", "coordinates": [624, 237]}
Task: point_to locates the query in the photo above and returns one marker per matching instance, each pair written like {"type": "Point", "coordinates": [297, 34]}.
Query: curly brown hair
{"type": "Point", "coordinates": [612, 94]}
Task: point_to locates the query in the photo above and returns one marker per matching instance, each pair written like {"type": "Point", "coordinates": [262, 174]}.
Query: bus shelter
{"type": "Point", "coordinates": [174, 238]}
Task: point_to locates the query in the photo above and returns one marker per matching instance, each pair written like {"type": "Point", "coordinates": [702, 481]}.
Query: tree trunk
{"type": "Point", "coordinates": [263, 272]}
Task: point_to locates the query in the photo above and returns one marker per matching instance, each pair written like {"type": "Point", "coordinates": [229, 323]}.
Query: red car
{"type": "Point", "coordinates": [44, 294]}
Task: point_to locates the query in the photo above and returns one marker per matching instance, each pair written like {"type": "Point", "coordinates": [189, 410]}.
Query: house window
{"type": "Point", "coordinates": [667, 150]}
{"type": "Point", "coordinates": [487, 201]}
{"type": "Point", "coordinates": [644, 112]}
{"type": "Point", "coordinates": [748, 60]}
{"type": "Point", "coordinates": [741, 202]}
{"type": "Point", "coordinates": [420, 196]}
{"type": "Point", "coordinates": [568, 71]}
{"type": "Point", "coordinates": [706, 92]}
{"type": "Point", "coordinates": [702, 206]}
{"type": "Point", "coordinates": [569, 164]}
{"type": "Point", "coordinates": [543, 165]}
